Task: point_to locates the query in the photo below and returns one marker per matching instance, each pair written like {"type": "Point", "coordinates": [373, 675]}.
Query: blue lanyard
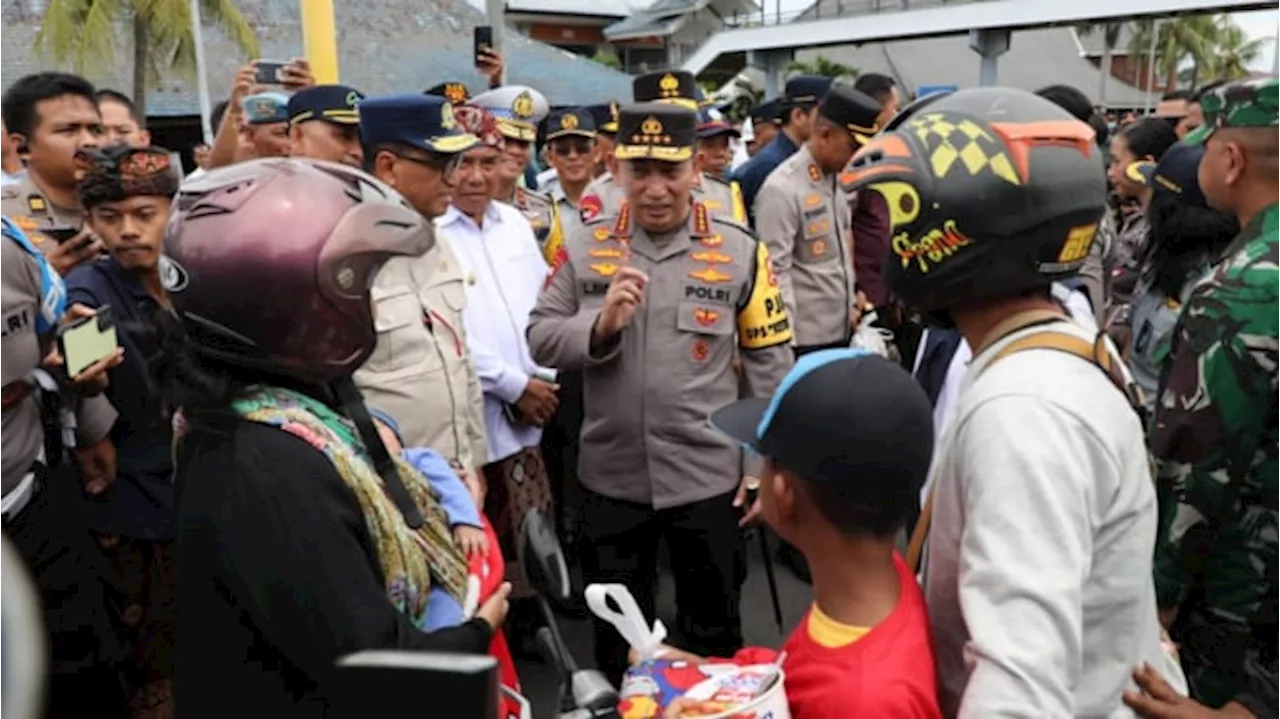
{"type": "Point", "coordinates": [53, 293]}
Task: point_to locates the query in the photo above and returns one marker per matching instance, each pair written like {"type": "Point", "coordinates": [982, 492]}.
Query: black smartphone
{"type": "Point", "coordinates": [88, 340]}
{"type": "Point", "coordinates": [483, 42]}
{"type": "Point", "coordinates": [60, 234]}
{"type": "Point", "coordinates": [267, 72]}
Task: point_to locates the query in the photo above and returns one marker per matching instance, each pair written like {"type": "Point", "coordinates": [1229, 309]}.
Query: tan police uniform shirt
{"type": "Point", "coordinates": [721, 198]}
{"type": "Point", "coordinates": [420, 371]}
{"type": "Point", "coordinates": [649, 392]}
{"type": "Point", "coordinates": [540, 211]}
{"type": "Point", "coordinates": [803, 217]}
{"type": "Point", "coordinates": [566, 212]}
{"type": "Point", "coordinates": [604, 196]}
{"type": "Point", "coordinates": [21, 433]}
{"type": "Point", "coordinates": [26, 205]}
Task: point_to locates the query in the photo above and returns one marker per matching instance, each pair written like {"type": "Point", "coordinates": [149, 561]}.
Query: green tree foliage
{"type": "Point", "coordinates": [824, 67]}
{"type": "Point", "coordinates": [83, 34]}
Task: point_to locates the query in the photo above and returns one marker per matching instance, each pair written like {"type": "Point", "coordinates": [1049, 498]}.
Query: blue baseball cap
{"type": "Point", "coordinates": [1176, 174]}
{"type": "Point", "coordinates": [424, 121]}
{"type": "Point", "coordinates": [266, 108]}
{"type": "Point", "coordinates": [846, 418]}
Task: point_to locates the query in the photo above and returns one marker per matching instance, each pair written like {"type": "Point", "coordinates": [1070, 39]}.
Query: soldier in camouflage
{"type": "Point", "coordinates": [1215, 427]}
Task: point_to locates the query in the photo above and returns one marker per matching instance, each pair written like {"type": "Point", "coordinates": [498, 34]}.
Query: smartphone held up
{"type": "Point", "coordinates": [87, 341]}
{"type": "Point", "coordinates": [483, 44]}
{"type": "Point", "coordinates": [269, 72]}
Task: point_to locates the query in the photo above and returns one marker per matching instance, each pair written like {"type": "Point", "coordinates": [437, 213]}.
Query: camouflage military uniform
{"type": "Point", "coordinates": [1216, 443]}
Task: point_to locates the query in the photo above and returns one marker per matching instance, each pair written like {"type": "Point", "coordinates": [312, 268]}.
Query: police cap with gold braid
{"type": "Point", "coordinates": [572, 121]}
{"type": "Point", "coordinates": [855, 111]}
{"type": "Point", "coordinates": [656, 131]}
{"type": "Point", "coordinates": [672, 86]}
{"type": "Point", "coordinates": [335, 104]}
{"type": "Point", "coordinates": [605, 117]}
{"type": "Point", "coordinates": [453, 91]}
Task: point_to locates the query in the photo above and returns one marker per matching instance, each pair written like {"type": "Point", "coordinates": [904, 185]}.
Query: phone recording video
{"type": "Point", "coordinates": [268, 72]}
{"type": "Point", "coordinates": [483, 43]}
{"type": "Point", "coordinates": [88, 340]}
{"type": "Point", "coordinates": [60, 234]}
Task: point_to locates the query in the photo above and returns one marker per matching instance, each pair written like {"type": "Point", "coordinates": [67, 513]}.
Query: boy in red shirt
{"type": "Point", "coordinates": [847, 439]}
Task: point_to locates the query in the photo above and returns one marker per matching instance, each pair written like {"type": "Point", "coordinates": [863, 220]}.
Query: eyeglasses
{"type": "Point", "coordinates": [446, 165]}
{"type": "Point", "coordinates": [565, 148]}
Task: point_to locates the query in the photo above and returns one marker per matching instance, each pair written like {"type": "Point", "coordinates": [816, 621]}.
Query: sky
{"type": "Point", "coordinates": [1261, 24]}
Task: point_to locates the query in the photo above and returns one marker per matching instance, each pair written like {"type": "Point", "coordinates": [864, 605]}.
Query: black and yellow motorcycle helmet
{"type": "Point", "coordinates": [991, 192]}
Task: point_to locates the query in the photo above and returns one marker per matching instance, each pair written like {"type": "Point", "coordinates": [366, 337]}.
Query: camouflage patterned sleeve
{"type": "Point", "coordinates": [1216, 456]}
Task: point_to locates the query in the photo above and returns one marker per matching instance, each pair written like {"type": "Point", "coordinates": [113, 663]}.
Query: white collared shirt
{"type": "Point", "coordinates": [504, 272]}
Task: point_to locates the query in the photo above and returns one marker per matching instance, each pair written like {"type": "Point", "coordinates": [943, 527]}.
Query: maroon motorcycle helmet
{"type": "Point", "coordinates": [268, 263]}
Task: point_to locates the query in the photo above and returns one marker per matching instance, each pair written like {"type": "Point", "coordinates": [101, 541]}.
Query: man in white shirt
{"type": "Point", "coordinates": [505, 271]}
{"type": "Point", "coordinates": [1042, 513]}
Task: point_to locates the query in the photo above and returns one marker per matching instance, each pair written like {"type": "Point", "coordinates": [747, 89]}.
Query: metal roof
{"type": "Point", "coordinates": [586, 8]}
{"type": "Point", "coordinates": [950, 19]}
{"type": "Point", "coordinates": [1091, 43]}
{"type": "Point", "coordinates": [384, 46]}
{"type": "Point", "coordinates": [662, 18]}
{"type": "Point", "coordinates": [665, 17]}
{"type": "Point", "coordinates": [1036, 58]}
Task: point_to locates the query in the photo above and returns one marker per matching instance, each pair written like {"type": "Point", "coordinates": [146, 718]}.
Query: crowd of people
{"type": "Point", "coordinates": [367, 337]}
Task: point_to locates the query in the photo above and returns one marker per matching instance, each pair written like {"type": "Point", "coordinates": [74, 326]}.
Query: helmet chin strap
{"type": "Point", "coordinates": [351, 402]}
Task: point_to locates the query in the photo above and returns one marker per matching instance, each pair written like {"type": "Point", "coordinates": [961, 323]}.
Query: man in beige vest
{"type": "Point", "coordinates": [421, 371]}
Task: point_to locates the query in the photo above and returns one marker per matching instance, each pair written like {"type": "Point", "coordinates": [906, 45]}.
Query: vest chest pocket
{"type": "Point", "coordinates": [404, 342]}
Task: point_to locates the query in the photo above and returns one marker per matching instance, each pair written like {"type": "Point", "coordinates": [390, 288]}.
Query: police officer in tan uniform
{"type": "Point", "coordinates": [676, 87]}
{"type": "Point", "coordinates": [653, 304]}
{"type": "Point", "coordinates": [41, 507]}
{"type": "Point", "coordinates": [51, 115]}
{"type": "Point", "coordinates": [803, 217]}
{"type": "Point", "coordinates": [571, 147]}
{"type": "Point", "coordinates": [421, 372]}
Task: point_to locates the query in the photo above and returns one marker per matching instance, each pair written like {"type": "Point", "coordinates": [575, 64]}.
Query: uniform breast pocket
{"type": "Point", "coordinates": [706, 328]}
{"type": "Point", "coordinates": [404, 342]}
{"type": "Point", "coordinates": [815, 243]}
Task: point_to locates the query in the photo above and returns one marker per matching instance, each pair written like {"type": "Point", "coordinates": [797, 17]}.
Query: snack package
{"type": "Point", "coordinates": [719, 690]}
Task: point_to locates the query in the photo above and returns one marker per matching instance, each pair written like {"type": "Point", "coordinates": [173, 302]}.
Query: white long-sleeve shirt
{"type": "Point", "coordinates": [504, 272]}
{"type": "Point", "coordinates": [1038, 566]}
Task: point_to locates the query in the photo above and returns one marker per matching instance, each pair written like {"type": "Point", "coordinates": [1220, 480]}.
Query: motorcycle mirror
{"type": "Point", "coordinates": [542, 557]}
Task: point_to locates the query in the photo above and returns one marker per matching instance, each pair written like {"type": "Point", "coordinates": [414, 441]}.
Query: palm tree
{"type": "Point", "coordinates": [823, 67]}
{"type": "Point", "coordinates": [1178, 40]}
{"type": "Point", "coordinates": [83, 33]}
{"type": "Point", "coordinates": [1110, 32]}
{"type": "Point", "coordinates": [1232, 51]}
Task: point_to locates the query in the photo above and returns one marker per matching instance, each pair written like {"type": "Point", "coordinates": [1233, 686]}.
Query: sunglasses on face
{"type": "Point", "coordinates": [567, 148]}
{"type": "Point", "coordinates": [446, 165]}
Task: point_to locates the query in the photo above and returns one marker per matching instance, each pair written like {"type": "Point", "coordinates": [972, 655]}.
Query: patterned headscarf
{"type": "Point", "coordinates": [481, 123]}
{"type": "Point", "coordinates": [113, 173]}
